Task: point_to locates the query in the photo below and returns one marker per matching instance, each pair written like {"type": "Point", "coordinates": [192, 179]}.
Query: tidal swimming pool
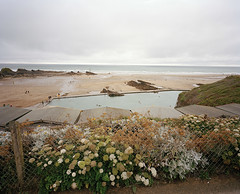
{"type": "Point", "coordinates": [128, 101]}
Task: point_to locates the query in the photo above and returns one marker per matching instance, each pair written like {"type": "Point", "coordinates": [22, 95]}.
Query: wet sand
{"type": "Point", "coordinates": [13, 89]}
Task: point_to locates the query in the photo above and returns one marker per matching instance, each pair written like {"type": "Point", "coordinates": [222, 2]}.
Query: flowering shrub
{"type": "Point", "coordinates": [218, 139]}
{"type": "Point", "coordinates": [95, 163]}
{"type": "Point", "coordinates": [172, 158]}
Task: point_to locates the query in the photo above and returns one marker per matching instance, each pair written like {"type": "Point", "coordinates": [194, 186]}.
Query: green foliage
{"type": "Point", "coordinates": [6, 71]}
{"type": "Point", "coordinates": [219, 93]}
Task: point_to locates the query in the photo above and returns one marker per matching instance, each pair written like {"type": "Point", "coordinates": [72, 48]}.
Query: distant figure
{"type": "Point", "coordinates": [10, 105]}
{"type": "Point", "coordinates": [4, 105]}
{"type": "Point", "coordinates": [49, 98]}
{"type": "Point", "coordinates": [58, 95]}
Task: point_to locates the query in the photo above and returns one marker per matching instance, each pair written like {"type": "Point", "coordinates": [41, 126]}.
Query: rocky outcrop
{"type": "Point", "coordinates": [90, 73]}
{"type": "Point", "coordinates": [7, 72]}
{"type": "Point", "coordinates": [111, 93]}
{"type": "Point", "coordinates": [142, 85]}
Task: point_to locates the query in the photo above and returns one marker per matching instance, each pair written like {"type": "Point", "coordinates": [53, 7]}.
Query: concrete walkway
{"type": "Point", "coordinates": [207, 110]}
{"type": "Point", "coordinates": [8, 114]}
{"type": "Point", "coordinates": [75, 116]}
{"type": "Point", "coordinates": [103, 113]}
{"type": "Point", "coordinates": [52, 115]}
{"type": "Point", "coordinates": [233, 108]}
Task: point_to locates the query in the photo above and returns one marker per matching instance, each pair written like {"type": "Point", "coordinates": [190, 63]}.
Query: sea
{"type": "Point", "coordinates": [129, 69]}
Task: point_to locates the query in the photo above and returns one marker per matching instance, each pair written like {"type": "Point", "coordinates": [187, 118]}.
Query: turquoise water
{"type": "Point", "coordinates": [128, 101]}
{"type": "Point", "coordinates": [130, 69]}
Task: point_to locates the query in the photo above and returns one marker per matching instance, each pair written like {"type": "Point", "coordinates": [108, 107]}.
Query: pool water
{"type": "Point", "coordinates": [128, 101]}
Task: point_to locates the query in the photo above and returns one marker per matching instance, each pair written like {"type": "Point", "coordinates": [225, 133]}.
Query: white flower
{"type": "Point", "coordinates": [74, 185]}
{"type": "Point", "coordinates": [79, 172]}
{"type": "Point", "coordinates": [124, 175]}
{"type": "Point", "coordinates": [129, 150]}
{"type": "Point", "coordinates": [32, 160]}
{"type": "Point", "coordinates": [227, 129]}
{"type": "Point", "coordinates": [117, 152]}
{"type": "Point", "coordinates": [60, 160]}
{"type": "Point", "coordinates": [68, 172]}
{"type": "Point", "coordinates": [138, 178]}
{"type": "Point", "coordinates": [130, 163]}
{"type": "Point", "coordinates": [142, 178]}
{"type": "Point", "coordinates": [154, 172]}
{"type": "Point", "coordinates": [96, 155]}
{"type": "Point", "coordinates": [45, 165]}
{"type": "Point", "coordinates": [63, 151]}
{"type": "Point", "coordinates": [238, 154]}
{"type": "Point", "coordinates": [146, 182]}
{"type": "Point", "coordinates": [49, 162]}
{"type": "Point", "coordinates": [115, 161]}
{"type": "Point", "coordinates": [235, 130]}
{"type": "Point", "coordinates": [141, 164]}
{"type": "Point", "coordinates": [84, 141]}
{"type": "Point", "coordinates": [46, 159]}
{"type": "Point", "coordinates": [54, 185]}
{"type": "Point", "coordinates": [60, 142]}
{"type": "Point", "coordinates": [112, 177]}
{"type": "Point", "coordinates": [112, 183]}
{"type": "Point", "coordinates": [236, 135]}
{"type": "Point", "coordinates": [215, 130]}
{"type": "Point", "coordinates": [118, 177]}
{"type": "Point", "coordinates": [34, 149]}
{"type": "Point", "coordinates": [112, 157]}
{"type": "Point", "coordinates": [87, 152]}
{"type": "Point", "coordinates": [73, 174]}
{"type": "Point", "coordinates": [83, 171]}
{"type": "Point", "coordinates": [101, 170]}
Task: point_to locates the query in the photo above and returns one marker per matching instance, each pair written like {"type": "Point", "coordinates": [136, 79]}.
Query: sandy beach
{"type": "Point", "coordinates": [40, 87]}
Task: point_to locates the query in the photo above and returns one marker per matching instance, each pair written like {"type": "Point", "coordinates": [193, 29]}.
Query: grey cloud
{"type": "Point", "coordinates": [120, 31]}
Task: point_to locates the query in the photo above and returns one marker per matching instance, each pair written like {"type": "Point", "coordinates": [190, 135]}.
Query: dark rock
{"type": "Point", "coordinates": [142, 85]}
{"type": "Point", "coordinates": [7, 72]}
{"type": "Point", "coordinates": [111, 93]}
{"type": "Point", "coordinates": [90, 73]}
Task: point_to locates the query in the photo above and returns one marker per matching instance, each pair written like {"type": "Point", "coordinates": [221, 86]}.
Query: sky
{"type": "Point", "coordinates": [201, 32]}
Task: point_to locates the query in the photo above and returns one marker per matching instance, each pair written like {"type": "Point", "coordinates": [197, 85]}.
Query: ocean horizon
{"type": "Point", "coordinates": [129, 69]}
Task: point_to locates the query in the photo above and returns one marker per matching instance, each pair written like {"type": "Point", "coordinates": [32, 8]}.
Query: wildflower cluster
{"type": "Point", "coordinates": [95, 162]}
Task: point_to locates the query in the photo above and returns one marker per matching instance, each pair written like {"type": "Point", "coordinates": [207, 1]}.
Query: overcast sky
{"type": "Point", "coordinates": [199, 32]}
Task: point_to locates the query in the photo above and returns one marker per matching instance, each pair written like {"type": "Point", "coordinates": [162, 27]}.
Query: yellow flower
{"type": "Point", "coordinates": [138, 156]}
{"type": "Point", "coordinates": [81, 164]}
{"type": "Point", "coordinates": [67, 160]}
{"type": "Point", "coordinates": [114, 171]}
{"type": "Point", "coordinates": [105, 157]}
{"type": "Point", "coordinates": [125, 156]}
{"type": "Point", "coordinates": [92, 147]}
{"type": "Point", "coordinates": [87, 160]}
{"type": "Point", "coordinates": [100, 164]}
{"type": "Point", "coordinates": [120, 167]}
{"type": "Point", "coordinates": [69, 146]}
{"type": "Point", "coordinates": [76, 156]}
{"type": "Point", "coordinates": [56, 164]}
{"type": "Point", "coordinates": [111, 150]}
{"type": "Point", "coordinates": [91, 156]}
{"type": "Point", "coordinates": [93, 163]}
{"type": "Point", "coordinates": [39, 163]}
{"type": "Point", "coordinates": [101, 144]}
